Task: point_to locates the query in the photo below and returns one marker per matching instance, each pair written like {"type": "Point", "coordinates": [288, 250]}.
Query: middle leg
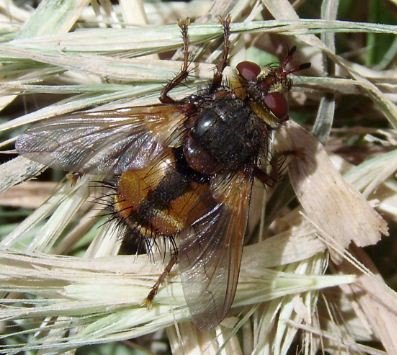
{"type": "Point", "coordinates": [278, 164]}
{"type": "Point", "coordinates": [218, 75]}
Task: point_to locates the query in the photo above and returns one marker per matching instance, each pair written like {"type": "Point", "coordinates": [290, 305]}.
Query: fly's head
{"type": "Point", "coordinates": [266, 88]}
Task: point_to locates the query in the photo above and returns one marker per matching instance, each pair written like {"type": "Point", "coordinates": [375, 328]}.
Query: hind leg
{"type": "Point", "coordinates": [155, 289]}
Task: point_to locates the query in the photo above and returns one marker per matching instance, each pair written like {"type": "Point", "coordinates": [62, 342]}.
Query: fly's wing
{"type": "Point", "coordinates": [209, 253]}
{"type": "Point", "coordinates": [104, 141]}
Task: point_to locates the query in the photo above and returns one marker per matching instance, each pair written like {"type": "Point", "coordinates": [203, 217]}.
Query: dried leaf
{"type": "Point", "coordinates": [327, 199]}
{"type": "Point", "coordinates": [377, 301]}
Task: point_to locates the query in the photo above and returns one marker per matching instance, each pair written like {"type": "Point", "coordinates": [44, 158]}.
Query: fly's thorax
{"type": "Point", "coordinates": [223, 136]}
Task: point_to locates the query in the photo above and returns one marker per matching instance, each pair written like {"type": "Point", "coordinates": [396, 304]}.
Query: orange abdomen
{"type": "Point", "coordinates": [161, 199]}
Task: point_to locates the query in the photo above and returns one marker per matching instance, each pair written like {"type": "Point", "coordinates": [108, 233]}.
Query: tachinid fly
{"type": "Point", "coordinates": [184, 168]}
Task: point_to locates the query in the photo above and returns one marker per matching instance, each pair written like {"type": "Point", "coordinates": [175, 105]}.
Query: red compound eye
{"type": "Point", "coordinates": [277, 104]}
{"type": "Point", "coordinates": [248, 70]}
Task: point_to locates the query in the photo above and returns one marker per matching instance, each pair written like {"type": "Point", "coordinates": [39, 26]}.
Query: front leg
{"type": "Point", "coordinates": [184, 73]}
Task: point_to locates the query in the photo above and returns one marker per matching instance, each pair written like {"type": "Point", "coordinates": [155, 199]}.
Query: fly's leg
{"type": "Point", "coordinates": [217, 79]}
{"type": "Point", "coordinates": [155, 289]}
{"type": "Point", "coordinates": [184, 73]}
{"type": "Point", "coordinates": [267, 179]}
{"type": "Point", "coordinates": [278, 164]}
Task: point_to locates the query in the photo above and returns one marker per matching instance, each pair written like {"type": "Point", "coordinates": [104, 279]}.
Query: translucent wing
{"type": "Point", "coordinates": [209, 253]}
{"type": "Point", "coordinates": [104, 141]}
